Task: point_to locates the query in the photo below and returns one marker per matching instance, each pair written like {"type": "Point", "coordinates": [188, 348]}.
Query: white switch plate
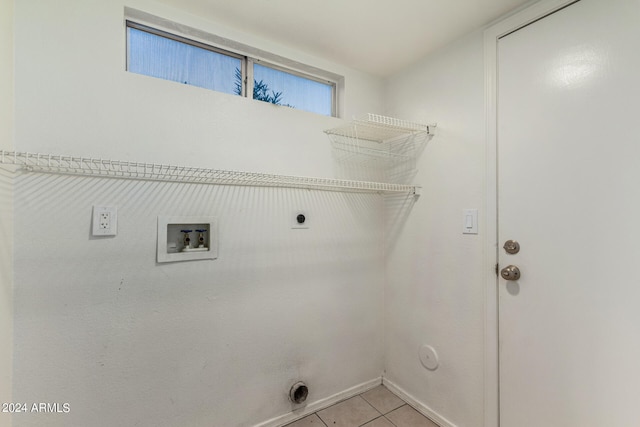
{"type": "Point", "coordinates": [105, 221]}
{"type": "Point", "coordinates": [470, 221]}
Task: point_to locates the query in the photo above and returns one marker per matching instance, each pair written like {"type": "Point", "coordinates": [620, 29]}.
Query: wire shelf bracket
{"type": "Point", "coordinates": [84, 166]}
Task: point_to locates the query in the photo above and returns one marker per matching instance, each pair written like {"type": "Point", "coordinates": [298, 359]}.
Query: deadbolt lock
{"type": "Point", "coordinates": [510, 272]}
{"type": "Point", "coordinates": [511, 246]}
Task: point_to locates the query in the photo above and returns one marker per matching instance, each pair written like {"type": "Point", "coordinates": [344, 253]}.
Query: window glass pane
{"type": "Point", "coordinates": [279, 87]}
{"type": "Point", "coordinates": [169, 59]}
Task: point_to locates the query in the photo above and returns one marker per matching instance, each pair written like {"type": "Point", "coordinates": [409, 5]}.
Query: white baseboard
{"type": "Point", "coordinates": [321, 404]}
{"type": "Point", "coordinates": [417, 405]}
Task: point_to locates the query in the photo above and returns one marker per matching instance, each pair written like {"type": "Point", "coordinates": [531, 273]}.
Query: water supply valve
{"type": "Point", "coordinates": [201, 240]}
{"type": "Point", "coordinates": [186, 241]}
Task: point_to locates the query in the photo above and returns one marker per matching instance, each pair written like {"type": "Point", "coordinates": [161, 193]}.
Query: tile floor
{"type": "Point", "coordinates": [377, 407]}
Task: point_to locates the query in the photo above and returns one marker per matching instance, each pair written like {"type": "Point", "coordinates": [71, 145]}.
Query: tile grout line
{"type": "Point", "coordinates": [377, 418]}
{"type": "Point", "coordinates": [395, 409]}
{"type": "Point", "coordinates": [370, 421]}
{"type": "Point", "coordinates": [391, 422]}
{"type": "Point", "coordinates": [376, 409]}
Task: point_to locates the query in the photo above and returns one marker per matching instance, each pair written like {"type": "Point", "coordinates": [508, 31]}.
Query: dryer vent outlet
{"type": "Point", "coordinates": [298, 393]}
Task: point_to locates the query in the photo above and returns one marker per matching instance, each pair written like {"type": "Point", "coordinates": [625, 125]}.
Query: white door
{"type": "Point", "coordinates": [569, 194]}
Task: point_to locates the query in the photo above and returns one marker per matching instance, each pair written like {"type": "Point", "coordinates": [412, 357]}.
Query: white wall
{"type": "Point", "coordinates": [71, 82]}
{"type": "Point", "coordinates": [98, 323]}
{"type": "Point", "coordinates": [435, 276]}
{"type": "Point", "coordinates": [6, 206]}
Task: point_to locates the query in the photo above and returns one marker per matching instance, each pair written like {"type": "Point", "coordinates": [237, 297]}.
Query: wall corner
{"type": "Point", "coordinates": [6, 204]}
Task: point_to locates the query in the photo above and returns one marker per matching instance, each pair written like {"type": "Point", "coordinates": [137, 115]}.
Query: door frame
{"type": "Point", "coordinates": [529, 14]}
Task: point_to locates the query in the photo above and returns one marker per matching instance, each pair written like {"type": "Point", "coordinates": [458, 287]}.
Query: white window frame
{"type": "Point", "coordinates": [157, 26]}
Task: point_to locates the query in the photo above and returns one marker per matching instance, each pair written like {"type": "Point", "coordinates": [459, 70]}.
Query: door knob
{"type": "Point", "coordinates": [510, 272]}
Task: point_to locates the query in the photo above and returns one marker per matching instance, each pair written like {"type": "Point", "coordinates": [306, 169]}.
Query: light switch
{"type": "Point", "coordinates": [470, 221]}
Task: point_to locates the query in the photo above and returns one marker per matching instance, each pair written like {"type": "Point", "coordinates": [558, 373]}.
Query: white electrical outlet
{"type": "Point", "coordinates": [105, 220]}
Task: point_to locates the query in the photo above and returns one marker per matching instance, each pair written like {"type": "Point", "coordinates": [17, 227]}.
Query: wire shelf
{"type": "Point", "coordinates": [383, 147]}
{"type": "Point", "coordinates": [69, 165]}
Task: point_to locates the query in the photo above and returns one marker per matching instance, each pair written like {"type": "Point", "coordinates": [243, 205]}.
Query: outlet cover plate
{"type": "Point", "coordinates": [105, 221]}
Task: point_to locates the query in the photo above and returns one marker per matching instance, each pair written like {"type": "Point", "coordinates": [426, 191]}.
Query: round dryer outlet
{"type": "Point", "coordinates": [428, 357]}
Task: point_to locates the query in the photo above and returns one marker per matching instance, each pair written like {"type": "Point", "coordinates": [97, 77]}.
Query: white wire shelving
{"type": "Point", "coordinates": [84, 166]}
{"type": "Point", "coordinates": [381, 148]}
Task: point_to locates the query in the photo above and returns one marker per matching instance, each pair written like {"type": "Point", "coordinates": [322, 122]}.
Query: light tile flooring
{"type": "Point", "coordinates": [377, 407]}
